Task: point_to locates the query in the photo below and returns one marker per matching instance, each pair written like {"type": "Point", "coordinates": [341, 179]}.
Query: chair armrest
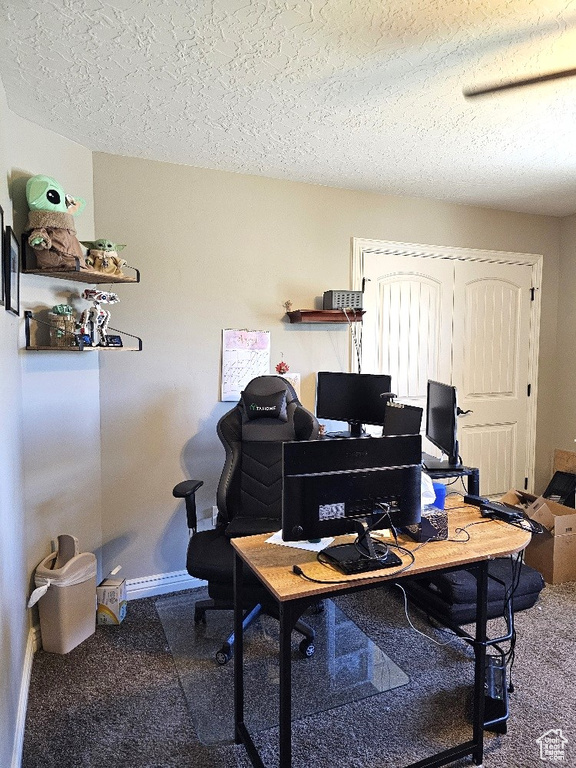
{"type": "Point", "coordinates": [187, 490]}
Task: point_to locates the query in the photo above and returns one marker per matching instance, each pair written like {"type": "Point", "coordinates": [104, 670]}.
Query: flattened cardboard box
{"type": "Point", "coordinates": [553, 552]}
{"type": "Point", "coordinates": [112, 601]}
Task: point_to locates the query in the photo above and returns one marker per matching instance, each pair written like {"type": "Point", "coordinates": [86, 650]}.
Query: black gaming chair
{"type": "Point", "coordinates": [249, 496]}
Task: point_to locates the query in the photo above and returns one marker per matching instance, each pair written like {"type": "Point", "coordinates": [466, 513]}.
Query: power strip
{"type": "Point", "coordinates": [494, 508]}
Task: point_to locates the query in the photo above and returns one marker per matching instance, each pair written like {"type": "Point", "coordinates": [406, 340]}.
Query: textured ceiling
{"type": "Point", "coordinates": [363, 94]}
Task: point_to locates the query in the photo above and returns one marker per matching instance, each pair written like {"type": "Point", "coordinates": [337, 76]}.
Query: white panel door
{"type": "Point", "coordinates": [407, 329]}
{"type": "Point", "coordinates": [491, 369]}
{"type": "Point", "coordinates": [464, 322]}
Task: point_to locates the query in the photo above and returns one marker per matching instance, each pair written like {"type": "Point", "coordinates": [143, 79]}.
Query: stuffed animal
{"type": "Point", "coordinates": [51, 230]}
{"type": "Point", "coordinates": [103, 257]}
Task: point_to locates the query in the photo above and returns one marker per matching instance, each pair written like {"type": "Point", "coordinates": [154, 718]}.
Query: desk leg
{"type": "Point", "coordinates": [480, 661]}
{"type": "Point", "coordinates": [241, 733]}
{"type": "Point", "coordinates": [286, 624]}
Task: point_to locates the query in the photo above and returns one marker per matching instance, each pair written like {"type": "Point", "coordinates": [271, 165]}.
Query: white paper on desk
{"type": "Point", "coordinates": [315, 546]}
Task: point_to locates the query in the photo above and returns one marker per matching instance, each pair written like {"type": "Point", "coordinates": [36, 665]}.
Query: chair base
{"type": "Point", "coordinates": [224, 654]}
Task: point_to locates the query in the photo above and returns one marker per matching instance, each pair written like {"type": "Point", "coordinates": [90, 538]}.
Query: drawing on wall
{"type": "Point", "coordinates": [245, 354]}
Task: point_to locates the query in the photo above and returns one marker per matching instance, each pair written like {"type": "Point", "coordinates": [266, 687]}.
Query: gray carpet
{"type": "Point", "coordinates": [116, 699]}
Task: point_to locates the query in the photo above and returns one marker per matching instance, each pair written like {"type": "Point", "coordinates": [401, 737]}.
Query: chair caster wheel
{"type": "Point", "coordinates": [307, 648]}
{"type": "Point", "coordinates": [223, 656]}
{"type": "Point", "coordinates": [199, 617]}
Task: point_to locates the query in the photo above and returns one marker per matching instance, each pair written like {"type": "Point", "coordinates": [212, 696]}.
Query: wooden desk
{"type": "Point", "coordinates": [272, 564]}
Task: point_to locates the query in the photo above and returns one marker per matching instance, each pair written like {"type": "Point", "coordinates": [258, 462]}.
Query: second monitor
{"type": "Point", "coordinates": [441, 424]}
{"type": "Point", "coordinates": [357, 398]}
{"type": "Point", "coordinates": [364, 398]}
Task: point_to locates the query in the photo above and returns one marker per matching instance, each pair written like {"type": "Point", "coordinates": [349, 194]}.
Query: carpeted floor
{"type": "Point", "coordinates": [347, 666]}
{"type": "Point", "coordinates": [116, 700]}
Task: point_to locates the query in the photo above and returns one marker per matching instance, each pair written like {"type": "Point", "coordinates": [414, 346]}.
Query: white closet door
{"type": "Point", "coordinates": [490, 369]}
{"type": "Point", "coordinates": [461, 322]}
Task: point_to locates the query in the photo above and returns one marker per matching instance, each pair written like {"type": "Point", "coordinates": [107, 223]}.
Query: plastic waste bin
{"type": "Point", "coordinates": [66, 596]}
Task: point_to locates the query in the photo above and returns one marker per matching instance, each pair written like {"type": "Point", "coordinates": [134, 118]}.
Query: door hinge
{"type": "Point", "coordinates": [525, 483]}
{"type": "Point", "coordinates": [532, 293]}
{"type": "Point", "coordinates": [529, 390]}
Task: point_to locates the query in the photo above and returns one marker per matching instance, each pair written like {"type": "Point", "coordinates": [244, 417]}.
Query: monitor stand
{"type": "Point", "coordinates": [363, 555]}
{"type": "Point", "coordinates": [433, 462]}
{"type": "Point", "coordinates": [356, 430]}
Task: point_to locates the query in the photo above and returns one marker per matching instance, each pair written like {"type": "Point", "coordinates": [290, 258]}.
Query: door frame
{"type": "Point", "coordinates": [361, 248]}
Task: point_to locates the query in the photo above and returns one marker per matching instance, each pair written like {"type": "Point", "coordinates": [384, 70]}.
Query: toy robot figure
{"type": "Point", "coordinates": [94, 321]}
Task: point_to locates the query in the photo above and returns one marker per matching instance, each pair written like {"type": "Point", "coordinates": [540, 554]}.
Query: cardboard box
{"type": "Point", "coordinates": [433, 525]}
{"type": "Point", "coordinates": [552, 552]}
{"type": "Point", "coordinates": [111, 600]}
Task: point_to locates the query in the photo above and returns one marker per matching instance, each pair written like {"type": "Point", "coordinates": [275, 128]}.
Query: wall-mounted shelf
{"type": "Point", "coordinates": [325, 316]}
{"type": "Point", "coordinates": [30, 267]}
{"type": "Point", "coordinates": [80, 347]}
{"type": "Point", "coordinates": [83, 276]}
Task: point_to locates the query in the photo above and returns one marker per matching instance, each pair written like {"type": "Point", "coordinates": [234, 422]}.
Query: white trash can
{"type": "Point", "coordinates": [66, 596]}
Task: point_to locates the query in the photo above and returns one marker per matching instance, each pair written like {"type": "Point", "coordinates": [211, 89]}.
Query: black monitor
{"type": "Point", "coordinates": [441, 423]}
{"type": "Point", "coordinates": [402, 419]}
{"type": "Point", "coordinates": [358, 398]}
{"type": "Point", "coordinates": [332, 487]}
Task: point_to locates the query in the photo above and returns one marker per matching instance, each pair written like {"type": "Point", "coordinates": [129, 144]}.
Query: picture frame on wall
{"type": "Point", "coordinates": [2, 259]}
{"type": "Point", "coordinates": [12, 272]}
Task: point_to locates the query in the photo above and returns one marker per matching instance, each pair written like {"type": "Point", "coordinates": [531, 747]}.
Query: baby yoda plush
{"type": "Point", "coordinates": [103, 257]}
{"type": "Point", "coordinates": [51, 230]}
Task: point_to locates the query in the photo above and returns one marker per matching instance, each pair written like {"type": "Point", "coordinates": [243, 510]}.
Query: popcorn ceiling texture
{"type": "Point", "coordinates": [362, 94]}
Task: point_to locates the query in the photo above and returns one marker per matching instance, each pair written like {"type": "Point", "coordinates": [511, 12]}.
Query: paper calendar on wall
{"type": "Point", "coordinates": [245, 354]}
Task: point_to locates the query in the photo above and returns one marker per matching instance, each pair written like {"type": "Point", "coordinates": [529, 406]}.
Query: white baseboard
{"type": "Point", "coordinates": [150, 586]}
{"type": "Point", "coordinates": [32, 645]}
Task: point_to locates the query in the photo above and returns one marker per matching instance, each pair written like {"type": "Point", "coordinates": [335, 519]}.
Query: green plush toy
{"type": "Point", "coordinates": [51, 230]}
{"type": "Point", "coordinates": [103, 257]}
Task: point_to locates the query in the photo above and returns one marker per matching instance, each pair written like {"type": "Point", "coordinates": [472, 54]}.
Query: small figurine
{"type": "Point", "coordinates": [94, 321]}
{"type": "Point", "coordinates": [62, 325]}
{"type": "Point", "coordinates": [103, 257]}
{"type": "Point", "coordinates": [287, 305]}
{"type": "Point", "coordinates": [51, 230]}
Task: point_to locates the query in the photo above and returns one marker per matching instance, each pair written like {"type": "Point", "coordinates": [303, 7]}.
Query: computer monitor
{"type": "Point", "coordinates": [402, 419]}
{"type": "Point", "coordinates": [441, 423]}
{"type": "Point", "coordinates": [358, 398]}
{"type": "Point", "coordinates": [332, 487]}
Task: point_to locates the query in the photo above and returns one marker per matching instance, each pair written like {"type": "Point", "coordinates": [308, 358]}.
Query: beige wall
{"type": "Point", "coordinates": [565, 405]}
{"type": "Point", "coordinates": [220, 250]}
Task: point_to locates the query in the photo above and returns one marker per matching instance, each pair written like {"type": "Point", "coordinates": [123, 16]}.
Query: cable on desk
{"type": "Point", "coordinates": [299, 572]}
{"type": "Point", "coordinates": [460, 529]}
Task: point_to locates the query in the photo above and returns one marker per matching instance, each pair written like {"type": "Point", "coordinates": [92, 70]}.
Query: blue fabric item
{"type": "Point", "coordinates": [440, 491]}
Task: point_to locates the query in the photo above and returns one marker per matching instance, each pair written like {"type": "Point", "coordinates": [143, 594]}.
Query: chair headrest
{"type": "Point", "coordinates": [267, 406]}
